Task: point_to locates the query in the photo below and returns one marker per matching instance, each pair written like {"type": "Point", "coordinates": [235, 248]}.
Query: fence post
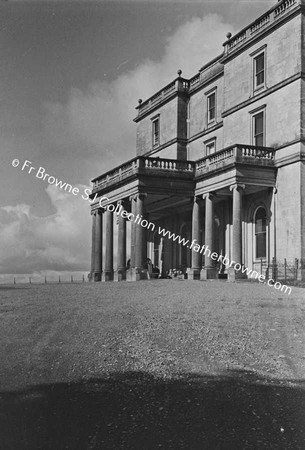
{"type": "Point", "coordinates": [14, 280]}
{"type": "Point", "coordinates": [30, 281]}
{"type": "Point", "coordinates": [261, 266]}
{"type": "Point", "coordinates": [71, 279]}
{"type": "Point", "coordinates": [83, 278]}
{"type": "Point", "coordinates": [285, 268]}
{"type": "Point", "coordinates": [59, 281]}
{"type": "Point", "coordinates": [45, 279]}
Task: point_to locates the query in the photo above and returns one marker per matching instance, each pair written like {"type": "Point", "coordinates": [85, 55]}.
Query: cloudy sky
{"type": "Point", "coordinates": [71, 73]}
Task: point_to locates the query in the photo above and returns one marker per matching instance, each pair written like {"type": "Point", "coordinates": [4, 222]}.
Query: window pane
{"type": "Point", "coordinates": [260, 233]}
{"type": "Point", "coordinates": [212, 101]}
{"type": "Point", "coordinates": [261, 245]}
{"type": "Point", "coordinates": [258, 136]}
{"type": "Point", "coordinates": [259, 69]}
{"type": "Point", "coordinates": [259, 123]}
{"type": "Point", "coordinates": [259, 140]}
{"type": "Point", "coordinates": [211, 107]}
{"type": "Point", "coordinates": [155, 125]}
{"type": "Point", "coordinates": [210, 148]}
{"type": "Point", "coordinates": [259, 78]}
{"type": "Point", "coordinates": [259, 63]}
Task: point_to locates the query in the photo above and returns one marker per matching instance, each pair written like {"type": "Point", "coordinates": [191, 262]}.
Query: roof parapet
{"type": "Point", "coordinates": [281, 9]}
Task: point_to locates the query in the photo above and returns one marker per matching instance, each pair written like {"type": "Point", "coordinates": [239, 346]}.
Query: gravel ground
{"type": "Point", "coordinates": [167, 364]}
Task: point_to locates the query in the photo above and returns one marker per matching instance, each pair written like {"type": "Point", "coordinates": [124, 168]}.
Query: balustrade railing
{"type": "Point", "coordinates": [271, 16]}
{"type": "Point", "coordinates": [256, 152]}
{"type": "Point", "coordinates": [195, 80]}
{"type": "Point", "coordinates": [259, 24]}
{"type": "Point", "coordinates": [283, 7]}
{"type": "Point", "coordinates": [169, 164]}
{"type": "Point", "coordinates": [174, 86]}
{"type": "Point", "coordinates": [237, 40]}
{"type": "Point", "coordinates": [236, 153]}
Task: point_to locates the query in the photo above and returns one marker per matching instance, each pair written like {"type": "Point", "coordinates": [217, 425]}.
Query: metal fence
{"type": "Point", "coordinates": [286, 270]}
{"type": "Point", "coordinates": [50, 280]}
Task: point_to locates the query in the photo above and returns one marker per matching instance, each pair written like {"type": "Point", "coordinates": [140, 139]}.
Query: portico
{"type": "Point", "coordinates": [196, 194]}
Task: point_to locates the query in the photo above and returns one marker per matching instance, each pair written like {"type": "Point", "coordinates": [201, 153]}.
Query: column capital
{"type": "Point", "coordinates": [96, 211]}
{"type": "Point", "coordinates": [197, 198]}
{"type": "Point", "coordinates": [209, 195]}
{"type": "Point", "coordinates": [122, 202]}
{"type": "Point", "coordinates": [237, 186]}
{"type": "Point", "coordinates": [140, 195]}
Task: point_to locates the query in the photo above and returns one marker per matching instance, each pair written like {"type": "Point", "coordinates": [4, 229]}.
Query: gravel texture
{"type": "Point", "coordinates": [159, 364]}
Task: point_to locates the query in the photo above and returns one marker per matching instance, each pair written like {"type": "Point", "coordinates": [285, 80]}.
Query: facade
{"type": "Point", "coordinates": [220, 159]}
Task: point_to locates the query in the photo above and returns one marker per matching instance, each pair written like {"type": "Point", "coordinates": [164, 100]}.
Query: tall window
{"type": "Point", "coordinates": [258, 137]}
{"type": "Point", "coordinates": [259, 70]}
{"type": "Point", "coordinates": [156, 131]}
{"type": "Point", "coordinates": [211, 99]}
{"type": "Point", "coordinates": [260, 233]}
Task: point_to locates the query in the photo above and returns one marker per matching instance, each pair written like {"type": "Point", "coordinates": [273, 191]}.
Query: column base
{"type": "Point", "coordinates": [234, 275]}
{"type": "Point", "coordinates": [95, 276]}
{"type": "Point", "coordinates": [193, 274]}
{"type": "Point", "coordinates": [209, 273]}
{"type": "Point", "coordinates": [119, 275]}
{"type": "Point", "coordinates": [136, 274]}
{"type": "Point", "coordinates": [107, 276]}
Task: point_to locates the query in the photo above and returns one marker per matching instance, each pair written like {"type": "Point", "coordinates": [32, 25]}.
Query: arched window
{"type": "Point", "coordinates": [260, 233]}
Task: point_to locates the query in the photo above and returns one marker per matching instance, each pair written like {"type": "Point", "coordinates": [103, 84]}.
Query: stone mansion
{"type": "Point", "coordinates": [220, 159]}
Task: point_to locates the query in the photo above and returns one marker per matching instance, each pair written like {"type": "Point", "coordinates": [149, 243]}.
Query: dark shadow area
{"type": "Point", "coordinates": [8, 288]}
{"type": "Point", "coordinates": [134, 410]}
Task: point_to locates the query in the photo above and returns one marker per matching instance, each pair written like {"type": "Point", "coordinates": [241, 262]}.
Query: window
{"type": "Point", "coordinates": [210, 147]}
{"type": "Point", "coordinates": [258, 138]}
{"type": "Point", "coordinates": [211, 99]}
{"type": "Point", "coordinates": [260, 233]}
{"type": "Point", "coordinates": [156, 131]}
{"type": "Point", "coordinates": [259, 70]}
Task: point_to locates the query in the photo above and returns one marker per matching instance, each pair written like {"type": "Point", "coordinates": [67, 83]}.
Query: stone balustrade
{"type": "Point", "coordinates": [179, 84]}
{"type": "Point", "coordinates": [271, 16]}
{"type": "Point", "coordinates": [151, 165]}
{"type": "Point", "coordinates": [238, 153]}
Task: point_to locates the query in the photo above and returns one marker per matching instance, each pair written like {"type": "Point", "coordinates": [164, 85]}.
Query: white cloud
{"type": "Point", "coordinates": [96, 124]}
{"type": "Point", "coordinates": [93, 131]}
{"type": "Point", "coordinates": [58, 242]}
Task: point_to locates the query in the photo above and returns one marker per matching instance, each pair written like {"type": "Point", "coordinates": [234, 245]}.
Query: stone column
{"type": "Point", "coordinates": [141, 244]}
{"type": "Point", "coordinates": [108, 270]}
{"type": "Point", "coordinates": [120, 274]}
{"type": "Point", "coordinates": [233, 274]}
{"type": "Point", "coordinates": [133, 208]}
{"type": "Point", "coordinates": [91, 275]}
{"type": "Point", "coordinates": [97, 245]}
{"type": "Point", "coordinates": [194, 272]}
{"type": "Point", "coordinates": [208, 271]}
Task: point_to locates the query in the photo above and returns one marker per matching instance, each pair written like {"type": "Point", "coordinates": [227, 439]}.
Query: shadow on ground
{"type": "Point", "coordinates": [134, 410]}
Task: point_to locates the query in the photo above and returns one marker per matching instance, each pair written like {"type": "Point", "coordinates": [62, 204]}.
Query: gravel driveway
{"type": "Point", "coordinates": [167, 364]}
